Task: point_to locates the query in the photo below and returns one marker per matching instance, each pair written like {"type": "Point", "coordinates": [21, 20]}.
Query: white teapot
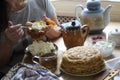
{"type": "Point", "coordinates": [96, 17]}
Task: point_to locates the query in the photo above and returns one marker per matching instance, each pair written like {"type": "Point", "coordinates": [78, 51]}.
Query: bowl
{"type": "Point", "coordinates": [106, 47]}
{"type": "Point", "coordinates": [41, 47]}
{"type": "Point", "coordinates": [43, 53]}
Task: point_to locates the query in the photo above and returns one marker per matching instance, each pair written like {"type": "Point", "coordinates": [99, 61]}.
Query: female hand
{"type": "Point", "coordinates": [53, 33]}
{"type": "Point", "coordinates": [14, 33]}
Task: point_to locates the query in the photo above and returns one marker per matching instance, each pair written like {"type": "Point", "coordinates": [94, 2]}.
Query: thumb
{"type": "Point", "coordinates": [44, 18]}
{"type": "Point", "coordinates": [10, 23]}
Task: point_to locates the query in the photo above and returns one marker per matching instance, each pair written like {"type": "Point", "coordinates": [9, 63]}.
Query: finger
{"type": "Point", "coordinates": [17, 33]}
{"type": "Point", "coordinates": [16, 38]}
{"type": "Point", "coordinates": [10, 23]}
{"type": "Point", "coordinates": [20, 33]}
{"type": "Point", "coordinates": [11, 36]}
{"type": "Point", "coordinates": [15, 28]}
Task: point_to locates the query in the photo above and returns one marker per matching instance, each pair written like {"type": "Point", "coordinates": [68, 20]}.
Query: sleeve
{"type": "Point", "coordinates": [50, 9]}
{"type": "Point", "coordinates": [47, 6]}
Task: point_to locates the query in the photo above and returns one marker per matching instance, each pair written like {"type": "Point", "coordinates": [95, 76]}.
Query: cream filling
{"type": "Point", "coordinates": [38, 25]}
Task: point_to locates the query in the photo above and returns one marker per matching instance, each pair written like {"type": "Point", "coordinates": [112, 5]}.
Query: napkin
{"type": "Point", "coordinates": [114, 64]}
{"type": "Point", "coordinates": [59, 60]}
{"type": "Point", "coordinates": [25, 73]}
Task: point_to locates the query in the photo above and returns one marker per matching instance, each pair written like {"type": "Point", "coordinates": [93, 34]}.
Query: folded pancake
{"type": "Point", "coordinates": [38, 29]}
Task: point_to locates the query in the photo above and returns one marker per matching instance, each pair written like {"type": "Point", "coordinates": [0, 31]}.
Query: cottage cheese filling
{"type": "Point", "coordinates": [41, 47]}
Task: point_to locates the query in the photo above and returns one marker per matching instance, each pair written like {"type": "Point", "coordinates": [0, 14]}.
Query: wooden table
{"type": "Point", "coordinates": [100, 76]}
{"type": "Point", "coordinates": [65, 76]}
{"type": "Point", "coordinates": [116, 53]}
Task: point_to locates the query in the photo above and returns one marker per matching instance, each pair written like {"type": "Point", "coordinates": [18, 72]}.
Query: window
{"type": "Point", "coordinates": [67, 7]}
{"type": "Point", "coordinates": [112, 0]}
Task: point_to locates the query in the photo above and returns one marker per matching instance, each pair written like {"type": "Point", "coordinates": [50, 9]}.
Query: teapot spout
{"type": "Point", "coordinates": [107, 9]}
{"type": "Point", "coordinates": [107, 15]}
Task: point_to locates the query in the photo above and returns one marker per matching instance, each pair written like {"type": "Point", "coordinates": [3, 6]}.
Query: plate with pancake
{"type": "Point", "coordinates": [82, 61]}
{"type": "Point", "coordinates": [91, 74]}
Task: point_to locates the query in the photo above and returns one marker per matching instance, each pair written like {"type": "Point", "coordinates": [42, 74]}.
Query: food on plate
{"type": "Point", "coordinates": [43, 53]}
{"type": "Point", "coordinates": [38, 29]}
{"type": "Point", "coordinates": [39, 25]}
{"type": "Point", "coordinates": [82, 60]}
{"type": "Point", "coordinates": [49, 22]}
{"type": "Point", "coordinates": [94, 39]}
{"type": "Point", "coordinates": [25, 73]}
{"type": "Point", "coordinates": [41, 47]}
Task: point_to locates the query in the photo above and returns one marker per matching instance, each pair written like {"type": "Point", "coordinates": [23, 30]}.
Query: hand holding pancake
{"type": "Point", "coordinates": [37, 30]}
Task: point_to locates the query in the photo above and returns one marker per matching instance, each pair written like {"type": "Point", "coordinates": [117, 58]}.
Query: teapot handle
{"type": "Point", "coordinates": [76, 12]}
{"type": "Point", "coordinates": [87, 30]}
{"type": "Point", "coordinates": [35, 59]}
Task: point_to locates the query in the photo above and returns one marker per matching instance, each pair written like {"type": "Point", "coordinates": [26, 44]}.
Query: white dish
{"type": "Point", "coordinates": [103, 69]}
{"type": "Point", "coordinates": [106, 47]}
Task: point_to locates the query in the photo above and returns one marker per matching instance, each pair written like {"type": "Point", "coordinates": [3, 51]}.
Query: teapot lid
{"type": "Point", "coordinates": [93, 5]}
{"type": "Point", "coordinates": [73, 24]}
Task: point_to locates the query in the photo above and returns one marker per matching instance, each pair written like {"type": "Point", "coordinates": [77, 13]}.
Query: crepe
{"type": "Point", "coordinates": [38, 29]}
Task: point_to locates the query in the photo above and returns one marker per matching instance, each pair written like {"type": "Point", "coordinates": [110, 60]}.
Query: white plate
{"type": "Point", "coordinates": [103, 69]}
